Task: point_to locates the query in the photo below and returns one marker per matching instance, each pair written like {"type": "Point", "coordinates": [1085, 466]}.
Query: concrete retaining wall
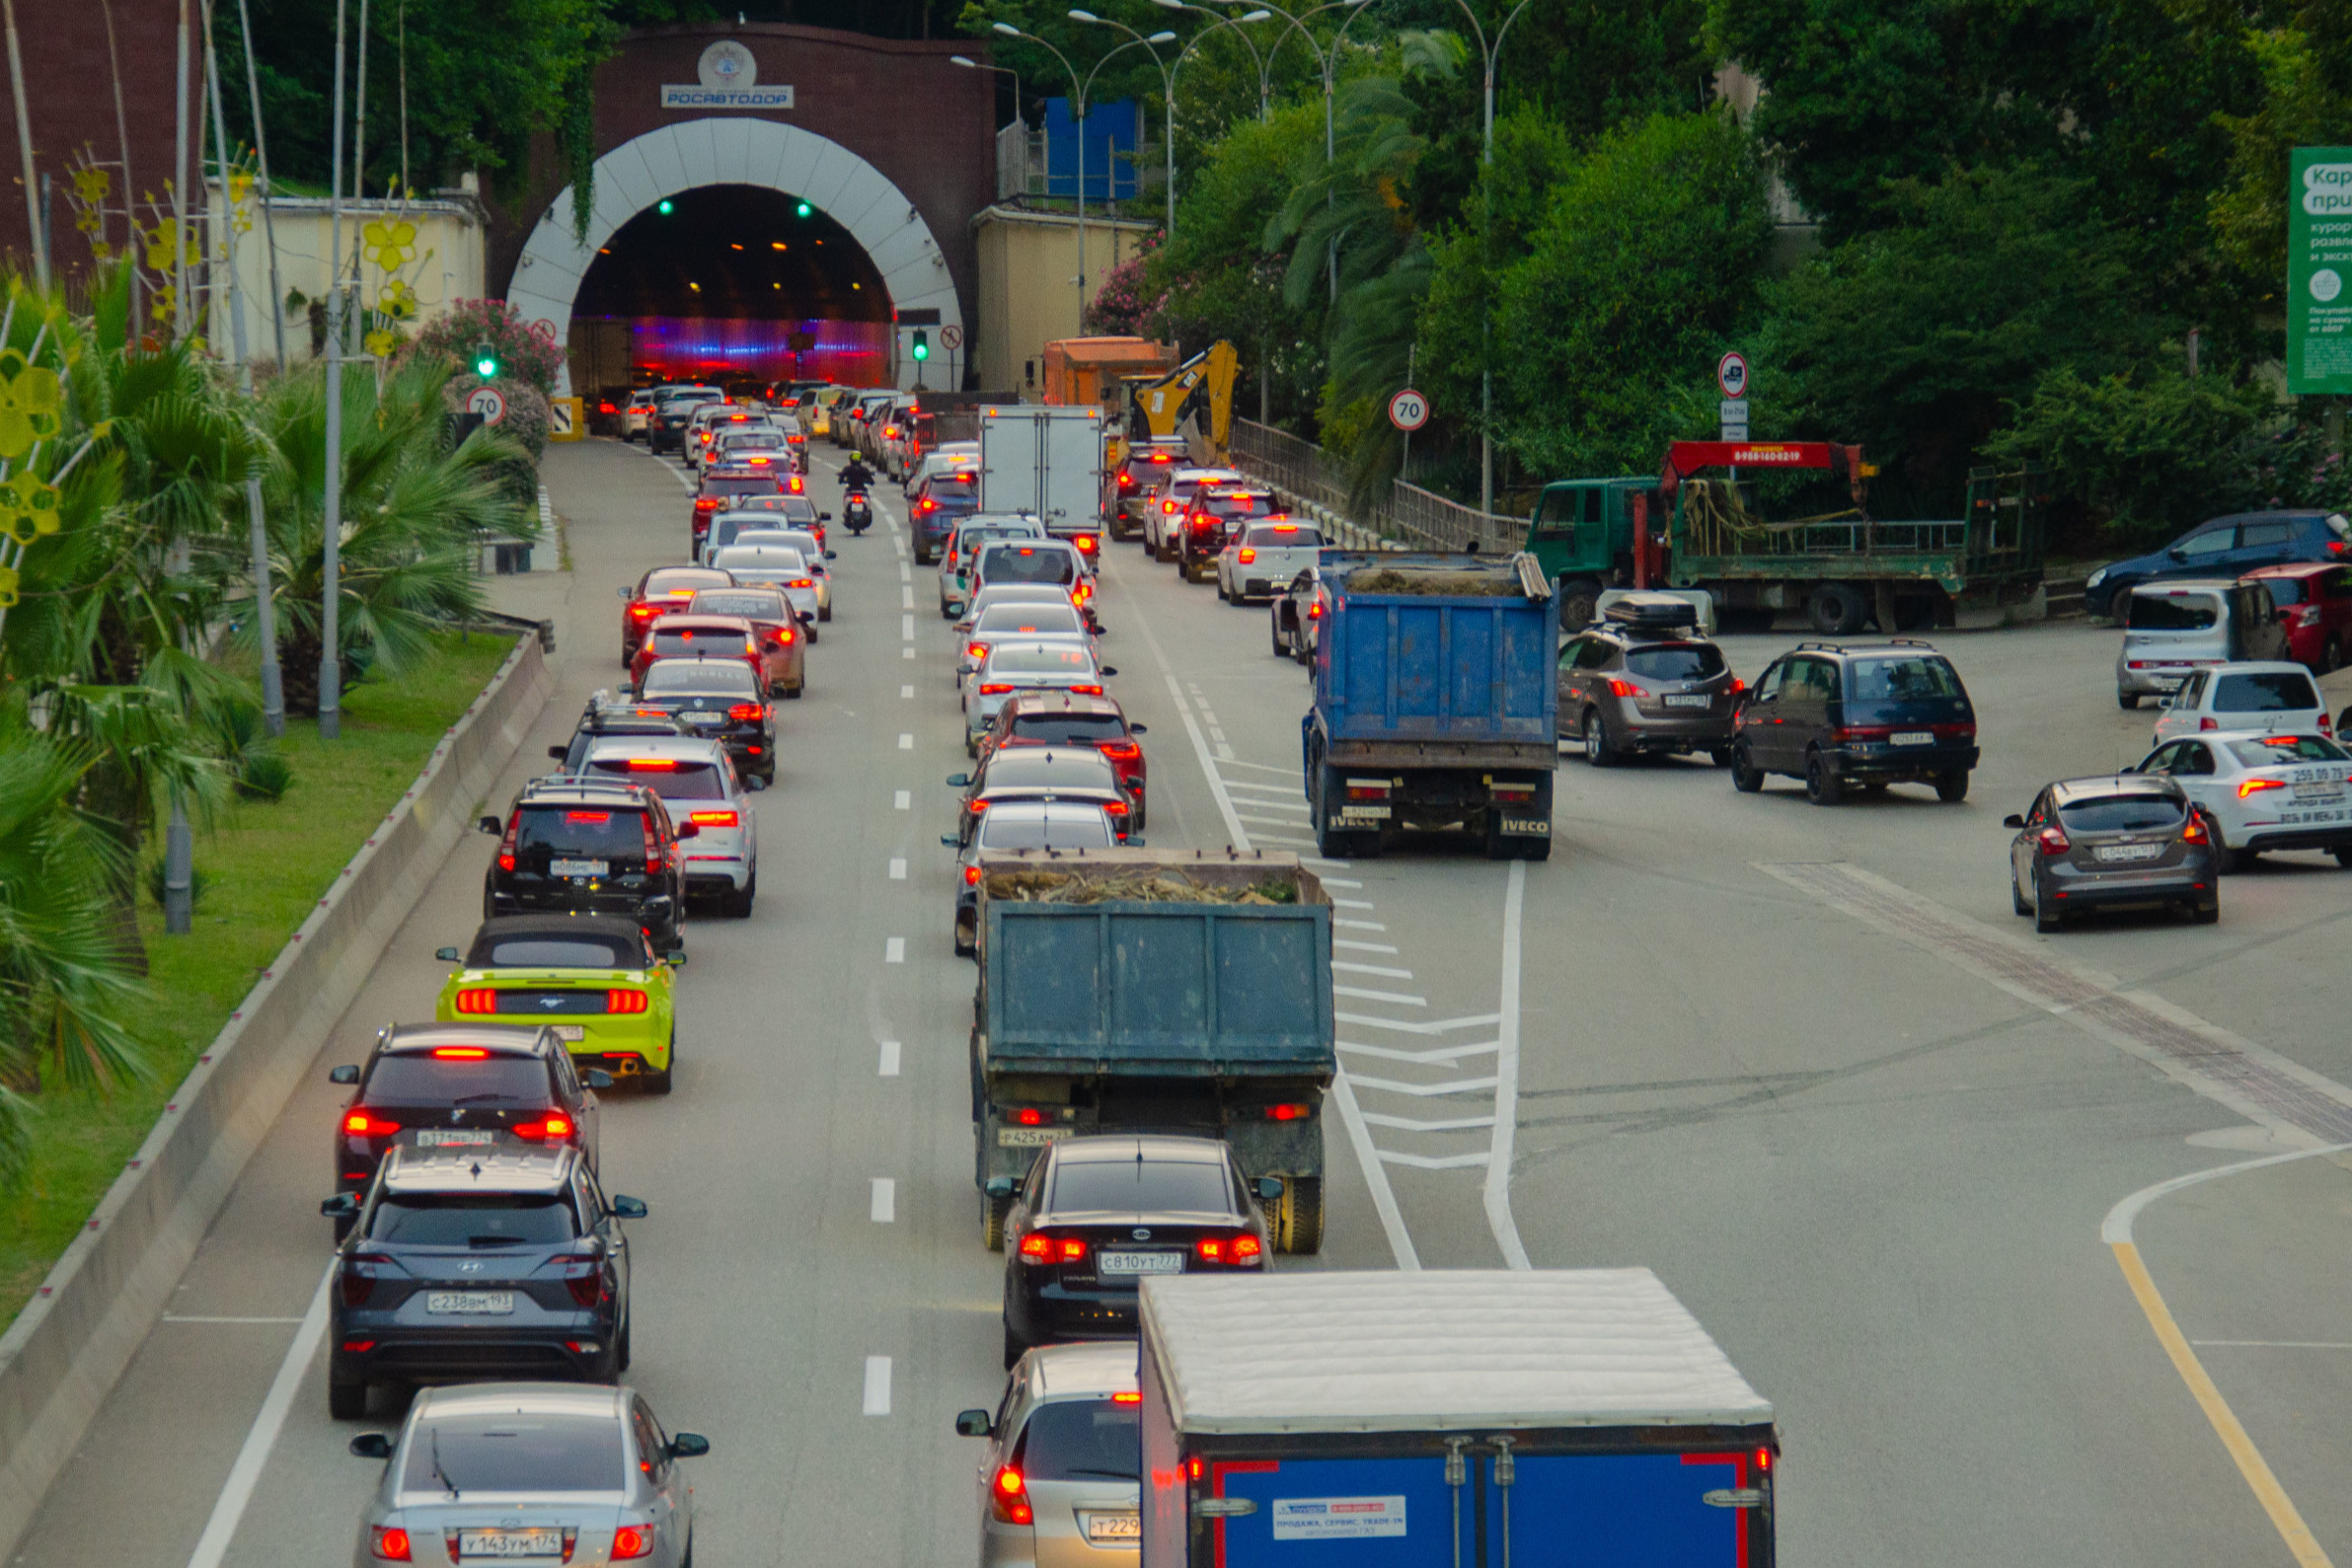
{"type": "Point", "coordinates": [63, 1354]}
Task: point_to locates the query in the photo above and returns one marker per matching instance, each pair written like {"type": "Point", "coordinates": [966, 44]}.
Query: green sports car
{"type": "Point", "coordinates": [595, 977]}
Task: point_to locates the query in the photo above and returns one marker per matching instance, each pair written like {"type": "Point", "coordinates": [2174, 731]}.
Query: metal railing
{"type": "Point", "coordinates": [1411, 516]}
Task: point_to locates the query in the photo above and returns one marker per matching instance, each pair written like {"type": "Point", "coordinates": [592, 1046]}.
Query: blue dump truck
{"type": "Point", "coordinates": [1435, 702]}
{"type": "Point", "coordinates": [1130, 990]}
{"type": "Point", "coordinates": [1455, 1419]}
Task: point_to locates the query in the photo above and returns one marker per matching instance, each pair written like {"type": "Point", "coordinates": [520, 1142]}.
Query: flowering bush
{"type": "Point", "coordinates": [1127, 302]}
{"type": "Point", "coordinates": [525, 352]}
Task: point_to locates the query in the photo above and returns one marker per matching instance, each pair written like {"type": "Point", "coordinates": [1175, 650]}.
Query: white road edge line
{"type": "Point", "coordinates": [884, 1208]}
{"type": "Point", "coordinates": [228, 1510]}
{"type": "Point", "coordinates": [1506, 1080]}
{"type": "Point", "coordinates": [878, 1386]}
{"type": "Point", "coordinates": [191, 1317]}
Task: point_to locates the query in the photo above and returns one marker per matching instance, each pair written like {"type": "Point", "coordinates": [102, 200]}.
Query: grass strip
{"type": "Point", "coordinates": [265, 864]}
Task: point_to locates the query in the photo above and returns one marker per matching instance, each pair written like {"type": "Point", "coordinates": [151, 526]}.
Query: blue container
{"type": "Point", "coordinates": [1429, 668]}
{"type": "Point", "coordinates": [1113, 133]}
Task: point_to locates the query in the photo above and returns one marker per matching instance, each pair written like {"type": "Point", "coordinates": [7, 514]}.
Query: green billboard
{"type": "Point", "coordinates": [2319, 270]}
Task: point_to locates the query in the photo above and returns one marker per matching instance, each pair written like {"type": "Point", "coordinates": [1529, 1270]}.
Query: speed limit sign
{"type": "Point", "coordinates": [1408, 410]}
{"type": "Point", "coordinates": [488, 401]}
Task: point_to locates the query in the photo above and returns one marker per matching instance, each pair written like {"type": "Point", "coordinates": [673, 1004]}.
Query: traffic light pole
{"type": "Point", "coordinates": [331, 522]}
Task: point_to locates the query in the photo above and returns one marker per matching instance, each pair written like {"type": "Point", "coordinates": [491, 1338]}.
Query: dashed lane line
{"type": "Point", "coordinates": [890, 1059]}
{"type": "Point", "coordinates": [906, 694]}
{"type": "Point", "coordinates": [884, 1209]}
{"type": "Point", "coordinates": [228, 1509]}
{"type": "Point", "coordinates": [876, 1401]}
{"type": "Point", "coordinates": [1362, 947]}
{"type": "Point", "coordinates": [1399, 997]}
{"type": "Point", "coordinates": [906, 742]}
{"type": "Point", "coordinates": [897, 870]}
{"type": "Point", "coordinates": [1506, 1079]}
{"type": "Point", "coordinates": [894, 950]}
{"type": "Point", "coordinates": [1382, 970]}
{"type": "Point", "coordinates": [903, 800]}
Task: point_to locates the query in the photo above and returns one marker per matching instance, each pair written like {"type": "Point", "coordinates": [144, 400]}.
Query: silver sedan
{"type": "Point", "coordinates": [548, 1471]}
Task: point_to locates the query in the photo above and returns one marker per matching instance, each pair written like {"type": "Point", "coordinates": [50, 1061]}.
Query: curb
{"type": "Point", "coordinates": [65, 1351]}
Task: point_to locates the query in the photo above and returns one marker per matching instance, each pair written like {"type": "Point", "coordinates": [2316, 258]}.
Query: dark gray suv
{"type": "Point", "coordinates": [1643, 679]}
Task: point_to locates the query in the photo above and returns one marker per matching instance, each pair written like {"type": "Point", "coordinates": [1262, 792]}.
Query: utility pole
{"type": "Point", "coordinates": [331, 674]}
{"type": "Point", "coordinates": [1490, 55]}
{"type": "Point", "coordinates": [278, 294]}
{"type": "Point", "coordinates": [180, 185]}
{"type": "Point", "coordinates": [130, 221]}
{"type": "Point", "coordinates": [15, 82]}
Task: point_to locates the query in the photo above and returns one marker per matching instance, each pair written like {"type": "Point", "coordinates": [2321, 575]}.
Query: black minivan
{"type": "Point", "coordinates": [1862, 717]}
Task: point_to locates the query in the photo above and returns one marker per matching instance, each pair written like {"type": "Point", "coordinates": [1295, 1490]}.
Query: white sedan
{"type": "Point", "coordinates": [2263, 792]}
{"type": "Point", "coordinates": [813, 554]}
{"type": "Point", "coordinates": [1058, 624]}
{"type": "Point", "coordinates": [773, 567]}
{"type": "Point", "coordinates": [1010, 667]}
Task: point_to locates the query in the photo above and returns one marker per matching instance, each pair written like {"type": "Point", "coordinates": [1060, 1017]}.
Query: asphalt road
{"type": "Point", "coordinates": [1805, 1063]}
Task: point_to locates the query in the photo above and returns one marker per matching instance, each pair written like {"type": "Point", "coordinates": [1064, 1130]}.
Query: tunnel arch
{"type": "Point", "coordinates": [680, 157]}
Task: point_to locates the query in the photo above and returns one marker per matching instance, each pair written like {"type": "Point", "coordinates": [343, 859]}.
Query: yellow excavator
{"type": "Point", "coordinates": [1194, 401]}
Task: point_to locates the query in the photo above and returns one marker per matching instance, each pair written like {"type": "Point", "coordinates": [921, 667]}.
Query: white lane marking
{"type": "Point", "coordinates": [878, 1386]}
{"type": "Point", "coordinates": [1445, 1055]}
{"type": "Point", "coordinates": [903, 800]}
{"type": "Point", "coordinates": [906, 742]}
{"type": "Point", "coordinates": [2116, 1229]}
{"type": "Point", "coordinates": [1398, 997]}
{"type": "Point", "coordinates": [1354, 925]}
{"type": "Point", "coordinates": [890, 1047]}
{"type": "Point", "coordinates": [1200, 747]}
{"type": "Point", "coordinates": [1293, 789]}
{"type": "Point", "coordinates": [228, 1510]}
{"type": "Point", "coordinates": [884, 1208]}
{"type": "Point", "coordinates": [1506, 1084]}
{"type": "Point", "coordinates": [1353, 946]}
{"type": "Point", "coordinates": [1454, 1124]}
{"type": "Point", "coordinates": [191, 1317]}
{"type": "Point", "coordinates": [905, 693]}
{"type": "Point", "coordinates": [906, 573]}
{"type": "Point", "coordinates": [1328, 881]}
{"type": "Point", "coordinates": [1215, 735]}
{"type": "Point", "coordinates": [2255, 1344]}
{"type": "Point", "coordinates": [904, 654]}
{"type": "Point", "coordinates": [1343, 903]}
{"type": "Point", "coordinates": [1317, 859]}
{"type": "Point", "coordinates": [1292, 773]}
{"type": "Point", "coordinates": [1223, 752]}
{"type": "Point", "coordinates": [906, 623]}
{"type": "Point", "coordinates": [1263, 822]}
{"type": "Point", "coordinates": [1442, 1026]}
{"type": "Point", "coordinates": [894, 950]}
{"type": "Point", "coordinates": [1371, 969]}
{"type": "Point", "coordinates": [1452, 1085]}
{"type": "Point", "coordinates": [897, 866]}
{"type": "Point", "coordinates": [906, 599]}
{"type": "Point", "coordinates": [1433, 1161]}
{"type": "Point", "coordinates": [1384, 1197]}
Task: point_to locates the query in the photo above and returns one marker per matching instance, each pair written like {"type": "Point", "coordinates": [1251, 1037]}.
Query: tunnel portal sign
{"type": "Point", "coordinates": [729, 80]}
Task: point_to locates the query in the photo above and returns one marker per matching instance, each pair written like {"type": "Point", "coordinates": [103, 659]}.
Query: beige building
{"type": "Point", "coordinates": [1029, 285]}
{"type": "Point", "coordinates": [416, 258]}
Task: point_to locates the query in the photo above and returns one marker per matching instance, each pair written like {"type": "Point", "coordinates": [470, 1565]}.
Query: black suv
{"type": "Point", "coordinates": [1642, 678]}
{"type": "Point", "coordinates": [472, 1264]}
{"type": "Point", "coordinates": [1856, 718]}
{"type": "Point", "coordinates": [607, 715]}
{"type": "Point", "coordinates": [590, 848]}
{"type": "Point", "coordinates": [467, 1086]}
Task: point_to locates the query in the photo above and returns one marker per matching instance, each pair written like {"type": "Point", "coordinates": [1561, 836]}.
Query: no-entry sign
{"type": "Point", "coordinates": [1408, 410]}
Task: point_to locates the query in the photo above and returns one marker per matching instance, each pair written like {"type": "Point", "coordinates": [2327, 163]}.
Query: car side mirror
{"type": "Point", "coordinates": [675, 958]}
{"type": "Point", "coordinates": [627, 1208]}
{"type": "Point", "coordinates": [687, 830]}
{"type": "Point", "coordinates": [2175, 552]}
{"type": "Point", "coordinates": [371, 1445]}
{"type": "Point", "coordinates": [998, 1187]}
{"type": "Point", "coordinates": [959, 780]}
{"type": "Point", "coordinates": [755, 783]}
{"type": "Point", "coordinates": [1139, 729]}
{"type": "Point", "coordinates": [952, 840]}
{"type": "Point", "coordinates": [1133, 841]}
{"type": "Point", "coordinates": [447, 955]}
{"type": "Point", "coordinates": [975, 1424]}
{"type": "Point", "coordinates": [807, 618]}
{"type": "Point", "coordinates": [1107, 670]}
{"type": "Point", "coordinates": [343, 1206]}
{"type": "Point", "coordinates": [1269, 1187]}
{"type": "Point", "coordinates": [2013, 820]}
{"type": "Point", "coordinates": [491, 826]}
{"type": "Point", "coordinates": [559, 752]}
{"type": "Point", "coordinates": [345, 1073]}
{"type": "Point", "coordinates": [687, 1446]}
{"type": "Point", "coordinates": [624, 593]}
{"type": "Point", "coordinates": [596, 1078]}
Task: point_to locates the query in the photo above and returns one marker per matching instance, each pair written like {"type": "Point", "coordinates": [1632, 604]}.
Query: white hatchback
{"type": "Point", "coordinates": [1058, 624]}
{"type": "Point", "coordinates": [2264, 698]}
{"type": "Point", "coordinates": [813, 553]}
{"type": "Point", "coordinates": [698, 781]}
{"type": "Point", "coordinates": [2264, 791]}
{"type": "Point", "coordinates": [773, 567]}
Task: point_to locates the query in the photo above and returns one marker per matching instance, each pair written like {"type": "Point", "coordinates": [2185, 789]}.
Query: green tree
{"type": "Point", "coordinates": [2305, 101]}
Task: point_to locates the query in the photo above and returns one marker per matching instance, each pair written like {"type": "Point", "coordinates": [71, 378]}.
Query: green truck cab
{"type": "Point", "coordinates": [1582, 535]}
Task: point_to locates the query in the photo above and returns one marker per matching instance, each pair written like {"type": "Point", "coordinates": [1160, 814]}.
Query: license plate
{"type": "Point", "coordinates": [1102, 1527]}
{"type": "Point", "coordinates": [1689, 700]}
{"type": "Point", "coordinates": [706, 721]}
{"type": "Point", "coordinates": [1139, 1263]}
{"type": "Point", "coordinates": [572, 1031]}
{"type": "Point", "coordinates": [510, 1543]}
{"type": "Point", "coordinates": [2329, 793]}
{"type": "Point", "coordinates": [454, 1137]}
{"type": "Point", "coordinates": [1912, 738]}
{"type": "Point", "coordinates": [1379, 814]}
{"type": "Point", "coordinates": [470, 1303]}
{"type": "Point", "coordinates": [2130, 852]}
{"type": "Point", "coordinates": [1028, 1137]}
{"type": "Point", "coordinates": [578, 867]}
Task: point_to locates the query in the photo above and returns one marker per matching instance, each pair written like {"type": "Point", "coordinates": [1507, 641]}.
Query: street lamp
{"type": "Point", "coordinates": [1264, 82]}
{"type": "Point", "coordinates": [1167, 87]}
{"type": "Point", "coordinates": [970, 64]}
{"type": "Point", "coordinates": [1326, 60]}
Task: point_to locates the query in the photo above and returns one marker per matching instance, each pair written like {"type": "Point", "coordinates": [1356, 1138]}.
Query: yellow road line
{"type": "Point", "coordinates": [2284, 1515]}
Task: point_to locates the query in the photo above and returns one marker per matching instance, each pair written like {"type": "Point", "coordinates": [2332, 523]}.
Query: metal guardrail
{"type": "Point", "coordinates": [1406, 513]}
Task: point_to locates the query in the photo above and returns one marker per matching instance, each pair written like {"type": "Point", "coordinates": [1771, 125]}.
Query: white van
{"type": "Point", "coordinates": [2266, 697]}
{"type": "Point", "coordinates": [2174, 627]}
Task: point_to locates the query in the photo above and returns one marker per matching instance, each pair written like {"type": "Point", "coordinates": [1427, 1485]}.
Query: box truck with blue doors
{"type": "Point", "coordinates": [1455, 1419]}
{"type": "Point", "coordinates": [1434, 703]}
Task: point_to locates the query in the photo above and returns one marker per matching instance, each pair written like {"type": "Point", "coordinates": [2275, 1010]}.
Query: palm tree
{"type": "Point", "coordinates": [414, 510]}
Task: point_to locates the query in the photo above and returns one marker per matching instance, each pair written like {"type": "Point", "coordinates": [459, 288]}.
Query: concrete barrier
{"type": "Point", "coordinates": [61, 1357]}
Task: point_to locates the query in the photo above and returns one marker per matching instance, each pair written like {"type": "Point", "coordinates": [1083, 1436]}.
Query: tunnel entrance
{"type": "Point", "coordinates": [731, 283]}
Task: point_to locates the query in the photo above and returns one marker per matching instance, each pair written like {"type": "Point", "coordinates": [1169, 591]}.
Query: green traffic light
{"type": "Point", "coordinates": [922, 345]}
{"type": "Point", "coordinates": [663, 206]}
{"type": "Point", "coordinates": [803, 209]}
{"type": "Point", "coordinates": [486, 362]}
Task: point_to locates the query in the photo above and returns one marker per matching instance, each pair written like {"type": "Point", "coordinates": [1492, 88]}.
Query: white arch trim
{"type": "Point", "coordinates": [735, 151]}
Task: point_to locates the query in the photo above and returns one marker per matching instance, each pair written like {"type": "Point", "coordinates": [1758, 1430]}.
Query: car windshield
{"type": "Point", "coordinates": [1141, 1186]}
{"type": "Point", "coordinates": [699, 678]}
{"type": "Point", "coordinates": [555, 952]}
{"type": "Point", "coordinates": [1905, 679]}
{"type": "Point", "coordinates": [516, 1454]}
{"type": "Point", "coordinates": [471, 1219]}
{"type": "Point", "coordinates": [811, 554]}
{"type": "Point", "coordinates": [2280, 749]}
{"type": "Point", "coordinates": [1026, 563]}
{"type": "Point", "coordinates": [584, 833]}
{"type": "Point", "coordinates": [1059, 832]}
{"type": "Point", "coordinates": [738, 484]}
{"type": "Point", "coordinates": [1073, 1440]}
{"type": "Point", "coordinates": [2174, 612]}
{"type": "Point", "coordinates": [1040, 661]}
{"type": "Point", "coordinates": [755, 606]}
{"type": "Point", "coordinates": [2284, 692]}
{"type": "Point", "coordinates": [707, 641]}
{"type": "Point", "coordinates": [1042, 618]}
{"type": "Point", "coordinates": [2133, 813]}
{"type": "Point", "coordinates": [681, 579]}
{"type": "Point", "coordinates": [1081, 729]}
{"type": "Point", "coordinates": [1026, 769]}
{"type": "Point", "coordinates": [1282, 536]}
{"type": "Point", "coordinates": [420, 1077]}
{"type": "Point", "coordinates": [1676, 662]}
{"type": "Point", "coordinates": [672, 780]}
{"type": "Point", "coordinates": [759, 559]}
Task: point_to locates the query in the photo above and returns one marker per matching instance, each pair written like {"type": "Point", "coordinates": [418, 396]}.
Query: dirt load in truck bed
{"type": "Point", "coordinates": [1139, 886]}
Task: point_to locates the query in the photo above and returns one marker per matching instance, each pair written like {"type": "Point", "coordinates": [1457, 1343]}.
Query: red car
{"type": "Point", "coordinates": [725, 484]}
{"type": "Point", "coordinates": [2315, 601]}
{"type": "Point", "coordinates": [698, 637]}
{"type": "Point", "coordinates": [1068, 718]}
{"type": "Point", "coordinates": [659, 591]}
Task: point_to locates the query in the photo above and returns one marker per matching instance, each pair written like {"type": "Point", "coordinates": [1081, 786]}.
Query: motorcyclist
{"type": "Point", "coordinates": [856, 475]}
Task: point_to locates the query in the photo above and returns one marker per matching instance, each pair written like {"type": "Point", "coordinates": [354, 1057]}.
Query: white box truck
{"type": "Point", "coordinates": [1047, 461]}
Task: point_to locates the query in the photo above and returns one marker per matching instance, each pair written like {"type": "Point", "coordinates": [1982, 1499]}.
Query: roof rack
{"type": "Point", "coordinates": [1822, 647]}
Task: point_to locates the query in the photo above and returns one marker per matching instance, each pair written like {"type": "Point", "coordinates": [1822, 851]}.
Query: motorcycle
{"type": "Point", "coordinates": [857, 512]}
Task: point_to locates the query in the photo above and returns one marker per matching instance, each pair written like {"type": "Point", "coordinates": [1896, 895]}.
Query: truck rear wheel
{"type": "Point", "coordinates": [1837, 608]}
{"type": "Point", "coordinates": [993, 1210]}
{"type": "Point", "coordinates": [1298, 1218]}
{"type": "Point", "coordinates": [1578, 603]}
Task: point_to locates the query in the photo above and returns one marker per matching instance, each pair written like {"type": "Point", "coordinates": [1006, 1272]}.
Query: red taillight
{"type": "Point", "coordinates": [359, 1347]}
{"type": "Point", "coordinates": [585, 1281]}
{"type": "Point", "coordinates": [460, 1053]}
{"type": "Point", "coordinates": [2053, 840]}
{"type": "Point", "coordinates": [1244, 556]}
{"type": "Point", "coordinates": [655, 861]}
{"type": "Point", "coordinates": [1295, 1112]}
{"type": "Point", "coordinates": [1030, 1116]}
{"type": "Point", "coordinates": [2249, 786]}
{"type": "Point", "coordinates": [514, 825]}
{"type": "Point", "coordinates": [714, 819]}
{"type": "Point", "coordinates": [620, 1001]}
{"type": "Point", "coordinates": [994, 689]}
{"type": "Point", "coordinates": [1624, 688]}
{"type": "Point", "coordinates": [802, 582]}
{"type": "Point", "coordinates": [972, 876]}
{"type": "Point", "coordinates": [1315, 611]}
{"type": "Point", "coordinates": [1086, 544]}
{"type": "Point", "coordinates": [1008, 1498]}
{"type": "Point", "coordinates": [641, 611]}
{"type": "Point", "coordinates": [1088, 691]}
{"type": "Point", "coordinates": [1121, 750]}
{"type": "Point", "coordinates": [1247, 1248]}
{"type": "Point", "coordinates": [1114, 809]}
{"type": "Point", "coordinates": [589, 816]}
{"type": "Point", "coordinates": [743, 714]}
{"type": "Point", "coordinates": [2208, 723]}
{"type": "Point", "coordinates": [557, 1125]}
{"type": "Point", "coordinates": [1237, 1249]}
{"type": "Point", "coordinates": [782, 637]}
{"type": "Point", "coordinates": [357, 1285]}
{"type": "Point", "coordinates": [928, 505]}
{"type": "Point", "coordinates": [2326, 728]}
{"type": "Point", "coordinates": [478, 1001]}
{"type": "Point", "coordinates": [360, 1124]}
{"type": "Point", "coordinates": [390, 1544]}
{"type": "Point", "coordinates": [976, 650]}
{"type": "Point", "coordinates": [1127, 1399]}
{"type": "Point", "coordinates": [1039, 1247]}
{"type": "Point", "coordinates": [1738, 685]}
{"type": "Point", "coordinates": [2194, 832]}
{"type": "Point", "coordinates": [632, 1540]}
